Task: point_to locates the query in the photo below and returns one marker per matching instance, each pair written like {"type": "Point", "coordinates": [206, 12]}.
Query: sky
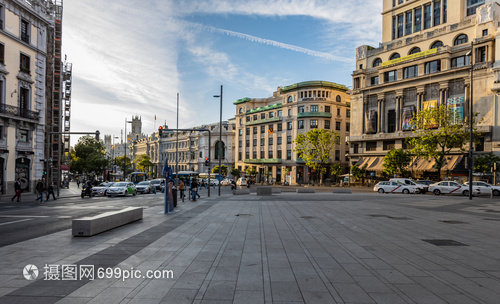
{"type": "Point", "coordinates": [132, 58]}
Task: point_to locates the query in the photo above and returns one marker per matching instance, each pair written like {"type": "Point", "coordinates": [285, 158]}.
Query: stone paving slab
{"type": "Point", "coordinates": [323, 248]}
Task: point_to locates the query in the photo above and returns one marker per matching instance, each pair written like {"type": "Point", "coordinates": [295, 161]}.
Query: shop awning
{"type": "Point", "coordinates": [428, 165]}
{"type": "Point", "coordinates": [377, 164]}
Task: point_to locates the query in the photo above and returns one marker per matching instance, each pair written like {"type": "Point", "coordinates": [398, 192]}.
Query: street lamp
{"type": "Point", "coordinates": [125, 155]}
{"type": "Point", "coordinates": [471, 117]}
{"type": "Point", "coordinates": [220, 138]}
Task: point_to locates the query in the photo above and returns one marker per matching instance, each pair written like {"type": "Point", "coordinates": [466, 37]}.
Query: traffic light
{"type": "Point", "coordinates": [160, 131]}
{"type": "Point", "coordinates": [206, 161]}
{"type": "Point", "coordinates": [97, 135]}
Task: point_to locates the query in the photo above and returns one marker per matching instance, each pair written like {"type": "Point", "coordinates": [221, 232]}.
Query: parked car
{"type": "Point", "coordinates": [485, 188]}
{"type": "Point", "coordinates": [447, 187]}
{"type": "Point", "coordinates": [145, 187]}
{"type": "Point", "coordinates": [226, 182]}
{"type": "Point", "coordinates": [122, 188]}
{"type": "Point", "coordinates": [157, 184]}
{"type": "Point", "coordinates": [242, 181]}
{"type": "Point", "coordinates": [425, 182]}
{"type": "Point", "coordinates": [406, 181]}
{"type": "Point", "coordinates": [101, 189]}
{"type": "Point", "coordinates": [395, 187]}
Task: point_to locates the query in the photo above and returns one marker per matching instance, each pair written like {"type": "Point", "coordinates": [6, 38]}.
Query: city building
{"type": "Point", "coordinates": [424, 61]}
{"type": "Point", "coordinates": [25, 73]}
{"type": "Point", "coordinates": [267, 127]}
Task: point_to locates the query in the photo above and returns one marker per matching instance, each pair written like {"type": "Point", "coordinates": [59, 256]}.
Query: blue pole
{"type": "Point", "coordinates": [167, 174]}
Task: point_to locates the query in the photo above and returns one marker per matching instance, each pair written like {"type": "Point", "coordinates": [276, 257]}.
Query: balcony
{"type": "Point", "coordinates": [263, 161]}
{"type": "Point", "coordinates": [314, 114]}
{"type": "Point", "coordinates": [263, 121]}
{"type": "Point", "coordinates": [19, 112]}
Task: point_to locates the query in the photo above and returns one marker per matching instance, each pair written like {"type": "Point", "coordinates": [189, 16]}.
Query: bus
{"type": "Point", "coordinates": [212, 176]}
{"type": "Point", "coordinates": [137, 177]}
{"type": "Point", "coordinates": [185, 175]}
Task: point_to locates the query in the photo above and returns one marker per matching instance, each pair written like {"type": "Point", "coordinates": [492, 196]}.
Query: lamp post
{"type": "Point", "coordinates": [125, 154]}
{"type": "Point", "coordinates": [113, 148]}
{"type": "Point", "coordinates": [220, 138]}
{"type": "Point", "coordinates": [471, 117]}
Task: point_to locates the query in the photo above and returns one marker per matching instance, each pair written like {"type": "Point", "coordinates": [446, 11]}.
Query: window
{"type": "Point", "coordinates": [290, 99]}
{"type": "Point", "coordinates": [262, 129]}
{"type": "Point", "coordinates": [371, 146]}
{"type": "Point", "coordinates": [248, 132]}
{"type": "Point", "coordinates": [327, 109]}
{"type": "Point", "coordinates": [240, 144]}
{"type": "Point", "coordinates": [314, 123]}
{"type": "Point", "coordinates": [255, 142]}
{"type": "Point", "coordinates": [254, 130]}
{"type": "Point", "coordinates": [247, 155]}
{"type": "Point", "coordinates": [327, 124]}
{"type": "Point", "coordinates": [445, 11]}
{"type": "Point", "coordinates": [24, 63]}
{"type": "Point", "coordinates": [414, 50]}
{"type": "Point", "coordinates": [263, 116]}
{"type": "Point", "coordinates": [418, 20]}
{"type": "Point", "coordinates": [391, 121]}
{"type": "Point", "coordinates": [389, 144]}
{"type": "Point", "coordinates": [395, 56]}
{"type": "Point", "coordinates": [472, 5]}
{"type": "Point", "coordinates": [481, 54]}
{"type": "Point", "coordinates": [427, 16]}
{"type": "Point", "coordinates": [240, 110]}
{"type": "Point", "coordinates": [410, 72]}
{"type": "Point", "coordinates": [338, 98]}
{"type": "Point", "coordinates": [255, 117]}
{"type": "Point", "coordinates": [280, 127]}
{"type": "Point", "coordinates": [337, 125]}
{"type": "Point", "coordinates": [279, 140]}
{"type": "Point", "coordinates": [289, 112]}
{"type": "Point", "coordinates": [437, 13]}
{"type": "Point", "coordinates": [254, 154]}
{"type": "Point", "coordinates": [356, 83]}
{"type": "Point", "coordinates": [390, 76]}
{"type": "Point", "coordinates": [337, 155]}
{"type": "Point", "coordinates": [400, 25]}
{"type": "Point", "coordinates": [348, 113]}
{"type": "Point", "coordinates": [289, 125]}
{"type": "Point", "coordinates": [374, 80]}
{"type": "Point", "coordinates": [314, 108]}
{"type": "Point", "coordinates": [288, 154]}
{"type": "Point", "coordinates": [348, 127]}
{"type": "Point", "coordinates": [239, 156]}
{"type": "Point", "coordinates": [377, 62]}
{"type": "Point", "coordinates": [300, 109]}
{"type": "Point", "coordinates": [433, 66]}
{"type": "Point", "coordinates": [262, 154]}
{"type": "Point", "coordinates": [262, 141]}
{"type": "Point", "coordinates": [247, 143]}
{"type": "Point", "coordinates": [2, 53]}
{"type": "Point", "coordinates": [458, 62]}
{"type": "Point", "coordinates": [338, 112]}
{"type": "Point", "coordinates": [271, 141]}
{"type": "Point", "coordinates": [300, 124]}
{"type": "Point", "coordinates": [271, 114]}
{"type": "Point", "coordinates": [22, 135]}
{"type": "Point", "coordinates": [270, 153]}
{"type": "Point", "coordinates": [280, 113]}
{"type": "Point", "coordinates": [279, 154]}
{"type": "Point", "coordinates": [485, 32]}
{"type": "Point", "coordinates": [288, 140]}
{"type": "Point", "coordinates": [248, 118]}
{"type": "Point", "coordinates": [241, 132]}
{"type": "Point", "coordinates": [461, 39]}
{"type": "Point", "coordinates": [409, 22]}
{"type": "Point", "coordinates": [437, 44]}
{"type": "Point", "coordinates": [23, 101]}
{"type": "Point", "coordinates": [25, 31]}
{"type": "Point", "coordinates": [355, 148]}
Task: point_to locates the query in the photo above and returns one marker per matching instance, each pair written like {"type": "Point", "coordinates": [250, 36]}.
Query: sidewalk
{"type": "Point", "coordinates": [332, 248]}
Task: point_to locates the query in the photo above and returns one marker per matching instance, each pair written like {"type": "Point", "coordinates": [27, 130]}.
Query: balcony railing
{"type": "Point", "coordinates": [20, 112]}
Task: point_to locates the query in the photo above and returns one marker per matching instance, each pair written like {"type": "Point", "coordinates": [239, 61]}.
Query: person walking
{"type": "Point", "coordinates": [50, 190]}
{"type": "Point", "coordinates": [40, 188]}
{"type": "Point", "coordinates": [17, 188]}
{"type": "Point", "coordinates": [194, 190]}
{"type": "Point", "coordinates": [181, 188]}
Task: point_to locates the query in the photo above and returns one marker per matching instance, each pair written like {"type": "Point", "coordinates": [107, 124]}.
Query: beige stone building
{"type": "Point", "coordinates": [267, 127]}
{"type": "Point", "coordinates": [424, 60]}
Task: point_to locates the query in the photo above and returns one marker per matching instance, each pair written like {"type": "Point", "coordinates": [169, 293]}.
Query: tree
{"type": "Point", "coordinates": [359, 172]}
{"type": "Point", "coordinates": [337, 170]}
{"type": "Point", "coordinates": [315, 148]}
{"type": "Point", "coordinates": [215, 170]}
{"type": "Point", "coordinates": [251, 171]}
{"type": "Point", "coordinates": [122, 161]}
{"type": "Point", "coordinates": [396, 161]}
{"type": "Point", "coordinates": [235, 172]}
{"type": "Point", "coordinates": [143, 162]}
{"type": "Point", "coordinates": [88, 156]}
{"type": "Point", "coordinates": [437, 132]}
{"type": "Point", "coordinates": [485, 162]}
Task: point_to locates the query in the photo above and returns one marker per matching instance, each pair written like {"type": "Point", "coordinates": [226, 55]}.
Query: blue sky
{"type": "Point", "coordinates": [133, 57]}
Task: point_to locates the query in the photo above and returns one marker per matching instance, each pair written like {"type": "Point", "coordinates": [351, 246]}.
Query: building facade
{"type": "Point", "coordinates": [267, 127]}
{"type": "Point", "coordinates": [424, 61]}
{"type": "Point", "coordinates": [24, 27]}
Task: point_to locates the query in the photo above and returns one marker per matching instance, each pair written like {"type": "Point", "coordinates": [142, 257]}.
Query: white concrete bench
{"type": "Point", "coordinates": [305, 190]}
{"type": "Point", "coordinates": [342, 190]}
{"type": "Point", "coordinates": [276, 191]}
{"type": "Point", "coordinates": [264, 191]}
{"type": "Point", "coordinates": [241, 191]}
{"type": "Point", "coordinates": [89, 226]}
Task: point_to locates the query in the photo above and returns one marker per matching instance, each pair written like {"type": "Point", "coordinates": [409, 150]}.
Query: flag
{"type": "Point", "coordinates": [155, 117]}
{"type": "Point", "coordinates": [271, 130]}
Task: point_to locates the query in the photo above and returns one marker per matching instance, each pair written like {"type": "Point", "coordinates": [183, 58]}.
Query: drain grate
{"type": "Point", "coordinates": [390, 217]}
{"type": "Point", "coordinates": [243, 214]}
{"type": "Point", "coordinates": [453, 222]}
{"type": "Point", "coordinates": [445, 243]}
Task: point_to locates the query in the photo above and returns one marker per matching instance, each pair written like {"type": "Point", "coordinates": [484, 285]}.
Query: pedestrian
{"type": "Point", "coordinates": [154, 188]}
{"type": "Point", "coordinates": [193, 189]}
{"type": "Point", "coordinates": [40, 188]}
{"type": "Point", "coordinates": [50, 190]}
{"type": "Point", "coordinates": [181, 188]}
{"type": "Point", "coordinates": [77, 182]}
{"type": "Point", "coordinates": [17, 188]}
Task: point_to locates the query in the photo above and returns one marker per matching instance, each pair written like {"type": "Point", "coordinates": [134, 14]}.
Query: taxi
{"type": "Point", "coordinates": [394, 187]}
{"type": "Point", "coordinates": [450, 187]}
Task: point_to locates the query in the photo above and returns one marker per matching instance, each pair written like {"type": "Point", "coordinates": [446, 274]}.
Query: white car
{"type": "Point", "coordinates": [447, 187]}
{"type": "Point", "coordinates": [485, 188]}
{"type": "Point", "coordinates": [226, 182]}
{"type": "Point", "coordinates": [122, 188]}
{"type": "Point", "coordinates": [394, 187]}
{"type": "Point", "coordinates": [242, 181]}
{"type": "Point", "coordinates": [406, 181]}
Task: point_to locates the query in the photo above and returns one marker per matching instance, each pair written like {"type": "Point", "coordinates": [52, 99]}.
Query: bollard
{"type": "Point", "coordinates": [491, 193]}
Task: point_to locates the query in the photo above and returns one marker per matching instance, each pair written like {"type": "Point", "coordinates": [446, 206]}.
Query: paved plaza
{"type": "Point", "coordinates": [285, 248]}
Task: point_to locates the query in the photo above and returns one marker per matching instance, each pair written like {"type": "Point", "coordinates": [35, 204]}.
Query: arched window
{"type": "Point", "coordinates": [437, 44]}
{"type": "Point", "coordinates": [414, 50]}
{"type": "Point", "coordinates": [290, 99]}
{"type": "Point", "coordinates": [461, 39]}
{"type": "Point", "coordinates": [377, 62]}
{"type": "Point", "coordinates": [395, 56]}
{"type": "Point", "coordinates": [241, 110]}
{"type": "Point", "coordinates": [338, 98]}
{"type": "Point", "coordinates": [217, 150]}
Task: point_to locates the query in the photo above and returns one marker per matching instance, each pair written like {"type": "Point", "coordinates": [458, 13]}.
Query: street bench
{"type": "Point", "coordinates": [305, 190]}
{"type": "Point", "coordinates": [241, 191]}
{"type": "Point", "coordinates": [89, 226]}
{"type": "Point", "coordinates": [342, 190]}
{"type": "Point", "coordinates": [264, 191]}
{"type": "Point", "coordinates": [276, 191]}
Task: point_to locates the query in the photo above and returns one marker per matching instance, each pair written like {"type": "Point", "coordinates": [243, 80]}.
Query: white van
{"type": "Point", "coordinates": [406, 181]}
{"type": "Point", "coordinates": [242, 181]}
